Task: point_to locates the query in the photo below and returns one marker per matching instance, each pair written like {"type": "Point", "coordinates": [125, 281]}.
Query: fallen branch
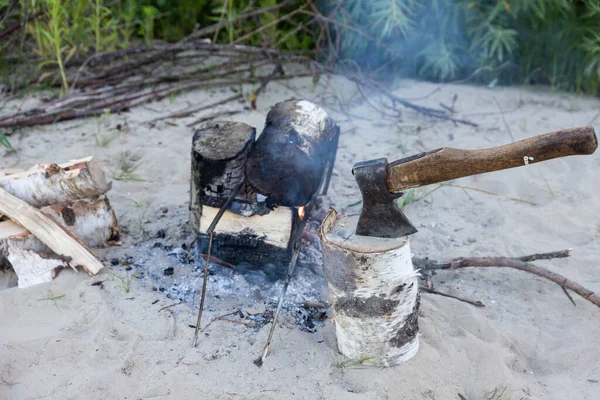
{"type": "Point", "coordinates": [13, 28]}
{"type": "Point", "coordinates": [127, 78]}
{"type": "Point", "coordinates": [520, 263]}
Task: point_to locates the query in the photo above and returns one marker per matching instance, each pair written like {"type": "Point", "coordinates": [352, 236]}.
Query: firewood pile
{"type": "Point", "coordinates": [51, 215]}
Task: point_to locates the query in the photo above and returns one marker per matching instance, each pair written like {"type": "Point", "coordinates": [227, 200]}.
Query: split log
{"type": "Point", "coordinates": [58, 238]}
{"type": "Point", "coordinates": [46, 184]}
{"type": "Point", "coordinates": [288, 160]}
{"type": "Point", "coordinates": [373, 290]}
{"type": "Point", "coordinates": [273, 229]}
{"type": "Point", "coordinates": [94, 222]}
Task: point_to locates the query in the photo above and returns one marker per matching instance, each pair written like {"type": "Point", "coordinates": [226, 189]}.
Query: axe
{"type": "Point", "coordinates": [381, 183]}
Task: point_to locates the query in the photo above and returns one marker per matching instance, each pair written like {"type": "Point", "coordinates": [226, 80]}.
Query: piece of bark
{"type": "Point", "coordinates": [46, 184]}
{"type": "Point", "coordinates": [58, 238]}
{"type": "Point", "coordinates": [31, 268]}
{"type": "Point", "coordinates": [288, 160]}
{"type": "Point", "coordinates": [219, 153]}
{"type": "Point", "coordinates": [373, 290]}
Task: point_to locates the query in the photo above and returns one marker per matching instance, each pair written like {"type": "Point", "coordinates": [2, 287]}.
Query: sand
{"type": "Point", "coordinates": [101, 342]}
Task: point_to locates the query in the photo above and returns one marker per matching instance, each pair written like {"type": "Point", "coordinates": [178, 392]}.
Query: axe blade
{"type": "Point", "coordinates": [380, 216]}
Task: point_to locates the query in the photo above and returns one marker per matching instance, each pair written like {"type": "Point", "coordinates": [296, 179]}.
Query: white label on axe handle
{"type": "Point", "coordinates": [527, 159]}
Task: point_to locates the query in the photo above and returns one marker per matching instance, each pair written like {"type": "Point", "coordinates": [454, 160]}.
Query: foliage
{"type": "Point", "coordinates": [555, 42]}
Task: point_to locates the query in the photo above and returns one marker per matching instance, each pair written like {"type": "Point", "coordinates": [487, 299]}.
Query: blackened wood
{"type": "Point", "coordinates": [288, 159]}
{"type": "Point", "coordinates": [243, 248]}
{"type": "Point", "coordinates": [219, 153]}
{"type": "Point", "coordinates": [446, 164]}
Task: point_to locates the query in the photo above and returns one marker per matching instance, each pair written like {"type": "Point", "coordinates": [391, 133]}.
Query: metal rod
{"type": "Point", "coordinates": [296, 245]}
{"type": "Point", "coordinates": [224, 208]}
{"type": "Point", "coordinates": [210, 231]}
{"type": "Point", "coordinates": [259, 362]}
{"type": "Point", "coordinates": [331, 161]}
{"type": "Point", "coordinates": [202, 297]}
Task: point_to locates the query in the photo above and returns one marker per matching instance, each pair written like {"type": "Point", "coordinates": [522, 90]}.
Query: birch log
{"type": "Point", "coordinates": [46, 184]}
{"type": "Point", "coordinates": [58, 238]}
{"type": "Point", "coordinates": [93, 221]}
{"type": "Point", "coordinates": [374, 292]}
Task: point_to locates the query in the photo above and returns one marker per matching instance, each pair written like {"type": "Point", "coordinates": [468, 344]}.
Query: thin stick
{"type": "Point", "coordinates": [218, 260]}
{"type": "Point", "coordinates": [219, 26]}
{"type": "Point", "coordinates": [210, 232]}
{"type": "Point", "coordinates": [184, 114]}
{"type": "Point", "coordinates": [278, 70]}
{"type": "Point", "coordinates": [476, 303]}
{"type": "Point", "coordinates": [296, 243]}
{"type": "Point", "coordinates": [217, 318]}
{"type": "Point", "coordinates": [204, 281]}
{"type": "Point", "coordinates": [210, 117]}
{"type": "Point", "coordinates": [292, 266]}
{"type": "Point", "coordinates": [504, 119]}
{"type": "Point", "coordinates": [169, 306]}
{"type": "Point", "coordinates": [568, 295]}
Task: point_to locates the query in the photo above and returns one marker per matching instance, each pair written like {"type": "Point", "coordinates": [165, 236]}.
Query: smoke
{"type": "Point", "coordinates": [405, 38]}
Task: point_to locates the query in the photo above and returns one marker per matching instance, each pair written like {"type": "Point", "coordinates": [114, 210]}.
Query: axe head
{"type": "Point", "coordinates": [380, 216]}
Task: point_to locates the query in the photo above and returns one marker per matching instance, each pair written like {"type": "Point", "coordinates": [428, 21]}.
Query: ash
{"type": "Point", "coordinates": [177, 272]}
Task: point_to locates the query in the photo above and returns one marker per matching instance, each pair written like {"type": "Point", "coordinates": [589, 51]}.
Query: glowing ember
{"type": "Point", "coordinates": [301, 212]}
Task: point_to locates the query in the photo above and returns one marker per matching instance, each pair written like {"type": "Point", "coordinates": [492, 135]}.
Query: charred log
{"type": "Point", "coordinates": [288, 161]}
{"type": "Point", "coordinates": [219, 153]}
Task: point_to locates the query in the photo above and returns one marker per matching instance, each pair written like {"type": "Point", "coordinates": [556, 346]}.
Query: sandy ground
{"type": "Point", "coordinates": [99, 342]}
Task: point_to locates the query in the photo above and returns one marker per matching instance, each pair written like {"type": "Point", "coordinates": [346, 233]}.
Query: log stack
{"type": "Point", "coordinates": [53, 215]}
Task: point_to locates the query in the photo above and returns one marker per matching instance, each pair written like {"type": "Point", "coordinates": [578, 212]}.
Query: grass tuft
{"type": "Point", "coordinates": [125, 280]}
{"type": "Point", "coordinates": [51, 297]}
{"type": "Point", "coordinates": [353, 364]}
{"type": "Point", "coordinates": [127, 172]}
{"type": "Point", "coordinates": [6, 143]}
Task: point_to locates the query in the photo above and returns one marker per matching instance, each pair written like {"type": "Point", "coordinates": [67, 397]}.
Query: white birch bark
{"type": "Point", "coordinates": [374, 293]}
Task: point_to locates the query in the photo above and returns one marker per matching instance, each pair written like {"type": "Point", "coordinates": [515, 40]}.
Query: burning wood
{"type": "Point", "coordinates": [35, 242]}
{"type": "Point", "coordinates": [261, 188]}
{"type": "Point", "coordinates": [281, 170]}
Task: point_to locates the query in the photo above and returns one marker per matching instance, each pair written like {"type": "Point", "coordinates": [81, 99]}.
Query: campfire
{"type": "Point", "coordinates": [251, 201]}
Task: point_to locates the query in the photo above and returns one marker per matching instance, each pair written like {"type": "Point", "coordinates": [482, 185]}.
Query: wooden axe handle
{"type": "Point", "coordinates": [446, 163]}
